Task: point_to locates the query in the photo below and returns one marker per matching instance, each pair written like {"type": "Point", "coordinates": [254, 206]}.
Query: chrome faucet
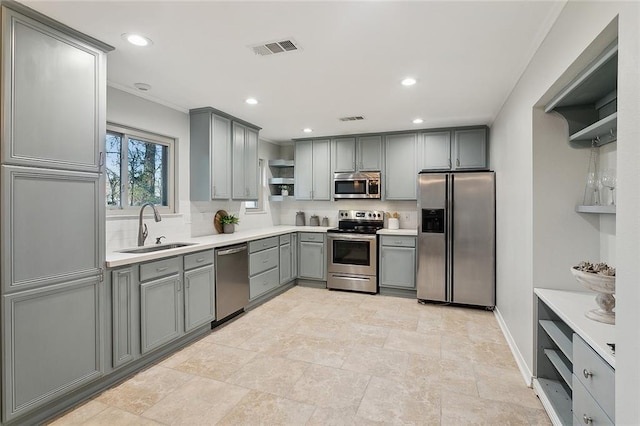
{"type": "Point", "coordinates": [142, 227]}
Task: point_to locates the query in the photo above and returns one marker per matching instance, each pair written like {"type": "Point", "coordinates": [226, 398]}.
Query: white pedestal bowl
{"type": "Point", "coordinates": [605, 286]}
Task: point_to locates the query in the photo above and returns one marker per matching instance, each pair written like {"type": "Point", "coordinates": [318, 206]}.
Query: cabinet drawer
{"type": "Point", "coordinates": [285, 239]}
{"type": "Point", "coordinates": [201, 258]}
{"type": "Point", "coordinates": [263, 260]}
{"type": "Point", "coordinates": [312, 236]}
{"type": "Point", "coordinates": [262, 283]}
{"type": "Point", "coordinates": [263, 244]}
{"type": "Point", "coordinates": [399, 241]}
{"type": "Point", "coordinates": [585, 407]}
{"type": "Point", "coordinates": [159, 268]}
{"type": "Point", "coordinates": [595, 374]}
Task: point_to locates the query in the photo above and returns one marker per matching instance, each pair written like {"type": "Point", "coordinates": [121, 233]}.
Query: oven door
{"type": "Point", "coordinates": [352, 254]}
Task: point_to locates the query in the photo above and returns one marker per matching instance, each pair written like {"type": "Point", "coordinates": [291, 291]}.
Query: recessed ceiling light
{"type": "Point", "coordinates": [137, 39]}
{"type": "Point", "coordinates": [307, 130]}
{"type": "Point", "coordinates": [418, 121]}
{"type": "Point", "coordinates": [252, 101]}
{"type": "Point", "coordinates": [408, 81]}
{"type": "Point", "coordinates": [143, 87]}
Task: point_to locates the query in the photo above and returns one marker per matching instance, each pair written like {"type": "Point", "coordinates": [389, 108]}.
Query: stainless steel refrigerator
{"type": "Point", "coordinates": [456, 237]}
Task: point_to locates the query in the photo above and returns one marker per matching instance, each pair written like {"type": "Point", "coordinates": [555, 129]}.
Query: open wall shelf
{"type": "Point", "coordinates": [589, 102]}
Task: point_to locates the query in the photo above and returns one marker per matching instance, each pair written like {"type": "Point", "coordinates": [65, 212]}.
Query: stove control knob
{"type": "Point", "coordinates": [369, 214]}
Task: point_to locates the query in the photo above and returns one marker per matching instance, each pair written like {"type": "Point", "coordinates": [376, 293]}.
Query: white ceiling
{"type": "Point", "coordinates": [466, 57]}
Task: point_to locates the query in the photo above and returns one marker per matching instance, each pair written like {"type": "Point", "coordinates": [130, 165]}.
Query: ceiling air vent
{"type": "Point", "coordinates": [354, 118]}
{"type": "Point", "coordinates": [274, 47]}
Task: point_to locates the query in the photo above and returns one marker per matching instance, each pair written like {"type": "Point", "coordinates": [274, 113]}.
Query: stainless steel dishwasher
{"type": "Point", "coordinates": [232, 280]}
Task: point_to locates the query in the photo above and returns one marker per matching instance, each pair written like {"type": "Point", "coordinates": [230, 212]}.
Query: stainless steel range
{"type": "Point", "coordinates": [352, 256]}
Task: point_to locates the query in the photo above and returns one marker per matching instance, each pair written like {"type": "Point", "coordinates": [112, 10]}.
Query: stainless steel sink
{"type": "Point", "coordinates": [157, 247]}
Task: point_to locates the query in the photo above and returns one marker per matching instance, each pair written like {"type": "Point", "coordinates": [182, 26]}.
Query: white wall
{"type": "Point", "coordinates": [132, 111]}
{"type": "Point", "coordinates": [513, 157]}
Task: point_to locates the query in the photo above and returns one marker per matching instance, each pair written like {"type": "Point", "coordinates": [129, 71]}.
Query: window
{"type": "Point", "coordinates": [139, 169]}
{"type": "Point", "coordinates": [257, 206]}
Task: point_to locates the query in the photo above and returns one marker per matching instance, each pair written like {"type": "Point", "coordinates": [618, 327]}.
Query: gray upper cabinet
{"type": "Point", "coordinates": [56, 343]}
{"type": "Point", "coordinates": [54, 117]}
{"type": "Point", "coordinates": [312, 171]}
{"type": "Point", "coordinates": [400, 166]}
{"type": "Point", "coordinates": [245, 163]}
{"type": "Point", "coordinates": [369, 158]}
{"type": "Point", "coordinates": [435, 151]}
{"type": "Point", "coordinates": [357, 154]}
{"type": "Point", "coordinates": [210, 157]}
{"type": "Point", "coordinates": [344, 155]}
{"type": "Point", "coordinates": [223, 157]}
{"type": "Point", "coordinates": [470, 149]}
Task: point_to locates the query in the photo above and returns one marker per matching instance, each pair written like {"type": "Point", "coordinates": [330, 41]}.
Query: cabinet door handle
{"type": "Point", "coordinates": [586, 419]}
{"type": "Point", "coordinates": [164, 268]}
{"type": "Point", "coordinates": [449, 162]}
{"type": "Point", "coordinates": [457, 162]}
{"type": "Point", "coordinates": [200, 260]}
{"type": "Point", "coordinates": [265, 261]}
{"type": "Point", "coordinates": [178, 287]}
{"type": "Point", "coordinates": [587, 374]}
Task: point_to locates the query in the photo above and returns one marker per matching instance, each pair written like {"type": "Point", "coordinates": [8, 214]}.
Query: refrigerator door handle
{"type": "Point", "coordinates": [449, 244]}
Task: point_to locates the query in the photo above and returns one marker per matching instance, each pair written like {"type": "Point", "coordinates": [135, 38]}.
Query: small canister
{"type": "Point", "coordinates": [300, 220]}
{"type": "Point", "coordinates": [325, 221]}
{"type": "Point", "coordinates": [314, 221]}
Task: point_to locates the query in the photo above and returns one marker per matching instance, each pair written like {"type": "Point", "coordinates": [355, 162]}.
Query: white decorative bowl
{"type": "Point", "coordinates": [605, 286]}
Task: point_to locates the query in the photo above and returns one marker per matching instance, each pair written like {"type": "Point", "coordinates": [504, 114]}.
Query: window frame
{"type": "Point", "coordinates": [171, 143]}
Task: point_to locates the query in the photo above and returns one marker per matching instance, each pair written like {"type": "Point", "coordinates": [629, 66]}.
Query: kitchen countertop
{"type": "Point", "coordinates": [408, 231]}
{"type": "Point", "coordinates": [115, 258]}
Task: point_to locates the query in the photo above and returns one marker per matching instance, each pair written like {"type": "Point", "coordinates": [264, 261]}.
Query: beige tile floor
{"type": "Point", "coordinates": [319, 357]}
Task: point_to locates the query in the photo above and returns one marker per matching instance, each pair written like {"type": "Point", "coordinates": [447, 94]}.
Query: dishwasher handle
{"type": "Point", "coordinates": [231, 250]}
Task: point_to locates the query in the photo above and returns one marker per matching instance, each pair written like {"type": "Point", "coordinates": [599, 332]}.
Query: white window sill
{"type": "Point", "coordinates": [251, 213]}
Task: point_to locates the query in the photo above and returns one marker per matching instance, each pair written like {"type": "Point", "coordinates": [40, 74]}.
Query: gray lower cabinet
{"type": "Point", "coordinates": [285, 259]}
{"type": "Point", "coordinates": [199, 297]}
{"type": "Point", "coordinates": [398, 262]}
{"type": "Point", "coordinates": [294, 255]}
{"type": "Point", "coordinates": [312, 256]}
{"type": "Point", "coordinates": [264, 262]}
{"type": "Point", "coordinates": [125, 314]}
{"type": "Point", "coordinates": [52, 343]}
{"type": "Point", "coordinates": [470, 149]}
{"type": "Point", "coordinates": [400, 166]}
{"type": "Point", "coordinates": [160, 312]}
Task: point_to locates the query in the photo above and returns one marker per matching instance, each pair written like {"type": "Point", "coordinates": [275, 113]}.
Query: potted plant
{"type": "Point", "coordinates": [229, 223]}
{"type": "Point", "coordinates": [284, 190]}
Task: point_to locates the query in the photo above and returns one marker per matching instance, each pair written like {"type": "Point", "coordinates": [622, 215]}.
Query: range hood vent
{"type": "Point", "coordinates": [273, 47]}
{"type": "Point", "coordinates": [354, 118]}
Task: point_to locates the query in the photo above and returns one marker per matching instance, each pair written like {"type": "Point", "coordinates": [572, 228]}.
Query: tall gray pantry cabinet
{"type": "Point", "coordinates": [52, 211]}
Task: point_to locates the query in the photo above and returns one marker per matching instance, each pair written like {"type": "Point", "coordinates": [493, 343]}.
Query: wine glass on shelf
{"type": "Point", "coordinates": [608, 180]}
{"type": "Point", "coordinates": [593, 182]}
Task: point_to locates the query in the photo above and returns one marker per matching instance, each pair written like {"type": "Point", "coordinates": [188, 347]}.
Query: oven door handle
{"type": "Point", "coordinates": [350, 277]}
{"type": "Point", "coordinates": [339, 236]}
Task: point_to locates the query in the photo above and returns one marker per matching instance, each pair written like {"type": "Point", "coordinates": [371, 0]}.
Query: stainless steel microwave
{"type": "Point", "coordinates": [356, 185]}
